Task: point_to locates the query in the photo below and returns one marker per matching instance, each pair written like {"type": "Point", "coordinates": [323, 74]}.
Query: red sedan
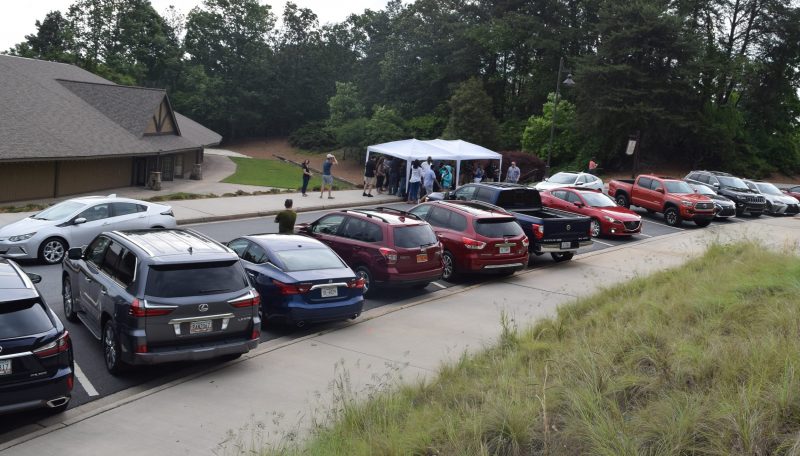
{"type": "Point", "coordinates": [607, 218]}
{"type": "Point", "coordinates": [793, 191]}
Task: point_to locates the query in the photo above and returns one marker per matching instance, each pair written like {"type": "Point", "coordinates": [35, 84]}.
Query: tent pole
{"type": "Point", "coordinates": [458, 174]}
{"type": "Point", "coordinates": [500, 170]}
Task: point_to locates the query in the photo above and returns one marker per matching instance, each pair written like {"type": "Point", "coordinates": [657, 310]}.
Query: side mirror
{"type": "Point", "coordinates": [304, 228]}
{"type": "Point", "coordinates": [660, 190]}
{"type": "Point", "coordinates": [75, 253]}
{"type": "Point", "coordinates": [715, 184]}
{"type": "Point", "coordinates": [35, 278]}
{"type": "Point", "coordinates": [578, 204]}
{"type": "Point", "coordinates": [79, 221]}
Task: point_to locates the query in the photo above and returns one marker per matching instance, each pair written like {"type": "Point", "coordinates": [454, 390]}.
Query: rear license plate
{"type": "Point", "coordinates": [505, 249]}
{"type": "Point", "coordinates": [422, 258]}
{"type": "Point", "coordinates": [5, 367]}
{"type": "Point", "coordinates": [329, 292]}
{"type": "Point", "coordinates": [566, 245]}
{"type": "Point", "coordinates": [198, 327]}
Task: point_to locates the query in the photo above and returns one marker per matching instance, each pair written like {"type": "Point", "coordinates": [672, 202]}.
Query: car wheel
{"type": "Point", "coordinates": [672, 217]}
{"type": "Point", "coordinates": [52, 250]}
{"type": "Point", "coordinates": [111, 351]}
{"type": "Point", "coordinates": [363, 273]}
{"type": "Point", "coordinates": [702, 223]}
{"type": "Point", "coordinates": [559, 257]}
{"type": "Point", "coordinates": [595, 228]}
{"type": "Point", "coordinates": [69, 300]}
{"type": "Point", "coordinates": [448, 266]}
{"type": "Point", "coordinates": [622, 200]}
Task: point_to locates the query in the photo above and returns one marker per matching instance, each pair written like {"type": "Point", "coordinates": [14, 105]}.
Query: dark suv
{"type": "Point", "coordinates": [157, 296]}
{"type": "Point", "coordinates": [383, 246]}
{"type": "Point", "coordinates": [36, 364]}
{"type": "Point", "coordinates": [732, 188]}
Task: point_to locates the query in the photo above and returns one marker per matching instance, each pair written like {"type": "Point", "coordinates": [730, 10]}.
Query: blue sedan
{"type": "Point", "coordinates": [301, 280]}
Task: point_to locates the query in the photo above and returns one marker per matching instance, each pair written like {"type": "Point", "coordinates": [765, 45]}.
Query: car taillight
{"type": "Point", "coordinates": [525, 241]}
{"type": "Point", "coordinates": [55, 347]}
{"type": "Point", "coordinates": [139, 309]}
{"type": "Point", "coordinates": [472, 244]}
{"type": "Point", "coordinates": [251, 299]}
{"type": "Point", "coordinates": [289, 289]}
{"type": "Point", "coordinates": [538, 230]}
{"type": "Point", "coordinates": [70, 382]}
{"type": "Point", "coordinates": [356, 283]}
{"type": "Point", "coordinates": [141, 348]}
{"type": "Point", "coordinates": [256, 334]}
{"type": "Point", "coordinates": [389, 254]}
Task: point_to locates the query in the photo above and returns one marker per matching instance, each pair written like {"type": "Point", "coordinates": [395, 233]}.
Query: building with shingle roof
{"type": "Point", "coordinates": [64, 130]}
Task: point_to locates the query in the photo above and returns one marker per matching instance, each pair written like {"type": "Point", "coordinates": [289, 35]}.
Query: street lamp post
{"type": "Point", "coordinates": [569, 83]}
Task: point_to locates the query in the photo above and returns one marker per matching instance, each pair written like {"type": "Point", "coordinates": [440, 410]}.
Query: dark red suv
{"type": "Point", "coordinates": [477, 237]}
{"type": "Point", "coordinates": [383, 246]}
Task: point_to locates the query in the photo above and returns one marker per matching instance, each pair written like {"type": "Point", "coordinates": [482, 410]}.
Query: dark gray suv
{"type": "Point", "coordinates": [157, 296]}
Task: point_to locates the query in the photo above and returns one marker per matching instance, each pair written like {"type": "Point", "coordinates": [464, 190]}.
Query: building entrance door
{"type": "Point", "coordinates": [167, 167]}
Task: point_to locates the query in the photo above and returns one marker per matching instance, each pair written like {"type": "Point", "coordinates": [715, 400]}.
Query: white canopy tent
{"type": "Point", "coordinates": [436, 149]}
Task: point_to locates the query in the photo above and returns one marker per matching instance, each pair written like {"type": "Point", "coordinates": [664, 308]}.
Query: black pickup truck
{"type": "Point", "coordinates": [558, 233]}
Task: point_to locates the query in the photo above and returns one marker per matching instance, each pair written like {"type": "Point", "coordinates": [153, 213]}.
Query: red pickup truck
{"type": "Point", "coordinates": [672, 197]}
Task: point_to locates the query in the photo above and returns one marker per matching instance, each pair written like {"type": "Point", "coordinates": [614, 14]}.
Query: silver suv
{"type": "Point", "coordinates": [157, 296]}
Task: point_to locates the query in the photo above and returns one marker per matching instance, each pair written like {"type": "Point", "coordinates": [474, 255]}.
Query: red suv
{"type": "Point", "coordinates": [383, 246]}
{"type": "Point", "coordinates": [477, 237]}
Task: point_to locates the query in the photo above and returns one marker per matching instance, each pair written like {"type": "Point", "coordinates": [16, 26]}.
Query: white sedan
{"type": "Point", "coordinates": [568, 179]}
{"type": "Point", "coordinates": [75, 222]}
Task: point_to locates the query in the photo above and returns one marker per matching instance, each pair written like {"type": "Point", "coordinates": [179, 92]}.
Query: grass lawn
{"type": "Point", "coordinates": [700, 360]}
{"type": "Point", "coordinates": [274, 173]}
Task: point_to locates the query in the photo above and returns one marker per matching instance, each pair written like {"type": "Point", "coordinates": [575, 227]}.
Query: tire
{"type": "Point", "coordinates": [53, 250]}
{"type": "Point", "coordinates": [560, 257]}
{"type": "Point", "coordinates": [702, 223]}
{"type": "Point", "coordinates": [622, 200]}
{"type": "Point", "coordinates": [739, 212]}
{"type": "Point", "coordinates": [672, 217]}
{"type": "Point", "coordinates": [595, 228]}
{"type": "Point", "coordinates": [449, 267]}
{"type": "Point", "coordinates": [111, 350]}
{"type": "Point", "coordinates": [68, 299]}
{"type": "Point", "coordinates": [363, 273]}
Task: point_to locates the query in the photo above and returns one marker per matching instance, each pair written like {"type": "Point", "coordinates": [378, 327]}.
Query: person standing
{"type": "Point", "coordinates": [286, 218]}
{"type": "Point", "coordinates": [478, 175]}
{"type": "Point", "coordinates": [592, 166]}
{"type": "Point", "coordinates": [429, 180]}
{"type": "Point", "coordinates": [306, 176]}
{"type": "Point", "coordinates": [369, 176]}
{"type": "Point", "coordinates": [380, 175]}
{"type": "Point", "coordinates": [447, 177]}
{"type": "Point", "coordinates": [512, 175]}
{"type": "Point", "coordinates": [327, 176]}
{"type": "Point", "coordinates": [414, 181]}
{"type": "Point", "coordinates": [401, 177]}
{"type": "Point", "coordinates": [394, 175]}
{"type": "Point", "coordinates": [489, 176]}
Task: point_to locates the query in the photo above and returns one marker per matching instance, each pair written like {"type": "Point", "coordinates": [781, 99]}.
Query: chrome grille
{"type": "Point", "coordinates": [704, 206]}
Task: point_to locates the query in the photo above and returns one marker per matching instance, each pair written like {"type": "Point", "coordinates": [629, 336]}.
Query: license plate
{"type": "Point", "coordinates": [5, 367]}
{"type": "Point", "coordinates": [566, 245]}
{"type": "Point", "coordinates": [198, 327]}
{"type": "Point", "coordinates": [329, 292]}
{"type": "Point", "coordinates": [422, 258]}
{"type": "Point", "coordinates": [505, 249]}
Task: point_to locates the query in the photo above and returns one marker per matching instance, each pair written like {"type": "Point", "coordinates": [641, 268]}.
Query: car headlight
{"type": "Point", "coordinates": [687, 203]}
{"type": "Point", "coordinates": [610, 219]}
{"type": "Point", "coordinates": [23, 237]}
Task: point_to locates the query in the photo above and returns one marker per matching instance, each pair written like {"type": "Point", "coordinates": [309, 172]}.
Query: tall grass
{"type": "Point", "coordinates": [700, 360]}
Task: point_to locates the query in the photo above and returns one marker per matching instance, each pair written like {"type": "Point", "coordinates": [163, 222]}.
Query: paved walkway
{"type": "Point", "coordinates": [286, 383]}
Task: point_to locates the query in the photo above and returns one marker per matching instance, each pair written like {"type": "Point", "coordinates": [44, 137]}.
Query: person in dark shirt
{"type": "Point", "coordinates": [286, 218]}
{"type": "Point", "coordinates": [369, 176]}
{"type": "Point", "coordinates": [306, 176]}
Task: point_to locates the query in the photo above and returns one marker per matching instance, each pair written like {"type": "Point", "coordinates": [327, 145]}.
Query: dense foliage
{"type": "Point", "coordinates": [713, 83]}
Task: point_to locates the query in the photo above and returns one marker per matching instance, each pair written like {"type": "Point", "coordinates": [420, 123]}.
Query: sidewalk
{"type": "Point", "coordinates": [288, 383]}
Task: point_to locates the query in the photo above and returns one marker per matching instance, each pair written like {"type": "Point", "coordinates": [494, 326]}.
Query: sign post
{"type": "Point", "coordinates": [633, 149]}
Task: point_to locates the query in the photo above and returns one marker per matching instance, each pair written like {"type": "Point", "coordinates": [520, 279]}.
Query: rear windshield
{"type": "Point", "coordinates": [23, 318]}
{"type": "Point", "coordinates": [497, 227]}
{"type": "Point", "coordinates": [193, 279]}
{"type": "Point", "coordinates": [409, 237]}
{"type": "Point", "coordinates": [308, 259]}
{"type": "Point", "coordinates": [519, 198]}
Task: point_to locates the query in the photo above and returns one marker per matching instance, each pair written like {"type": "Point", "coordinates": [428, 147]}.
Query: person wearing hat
{"type": "Point", "coordinates": [286, 218]}
{"type": "Point", "coordinates": [327, 177]}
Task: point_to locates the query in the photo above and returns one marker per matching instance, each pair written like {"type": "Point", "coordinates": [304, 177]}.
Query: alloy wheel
{"type": "Point", "coordinates": [66, 295]}
{"type": "Point", "coordinates": [595, 228]}
{"type": "Point", "coordinates": [362, 273]}
{"type": "Point", "coordinates": [448, 267]}
{"type": "Point", "coordinates": [53, 251]}
{"type": "Point", "coordinates": [110, 347]}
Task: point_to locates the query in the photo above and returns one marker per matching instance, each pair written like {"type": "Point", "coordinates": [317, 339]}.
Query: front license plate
{"type": "Point", "coordinates": [198, 327]}
{"type": "Point", "coordinates": [5, 367]}
{"type": "Point", "coordinates": [422, 258]}
{"type": "Point", "coordinates": [329, 292]}
{"type": "Point", "coordinates": [566, 245]}
{"type": "Point", "coordinates": [505, 249]}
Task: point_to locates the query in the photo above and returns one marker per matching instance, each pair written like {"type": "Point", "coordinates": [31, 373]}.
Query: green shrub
{"type": "Point", "coordinates": [314, 136]}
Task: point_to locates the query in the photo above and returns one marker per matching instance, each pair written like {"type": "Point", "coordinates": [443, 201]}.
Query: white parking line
{"type": "Point", "coordinates": [604, 243]}
{"type": "Point", "coordinates": [645, 235]}
{"type": "Point", "coordinates": [664, 224]}
{"type": "Point", "coordinates": [84, 381]}
{"type": "Point", "coordinates": [439, 285]}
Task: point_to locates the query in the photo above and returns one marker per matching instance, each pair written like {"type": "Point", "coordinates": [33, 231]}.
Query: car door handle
{"type": "Point", "coordinates": [252, 274]}
{"type": "Point", "coordinates": [103, 291]}
{"type": "Point", "coordinates": [88, 279]}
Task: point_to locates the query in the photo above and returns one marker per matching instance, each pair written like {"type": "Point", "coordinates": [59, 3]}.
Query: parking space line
{"type": "Point", "coordinates": [439, 285]}
{"type": "Point", "coordinates": [84, 381]}
{"type": "Point", "coordinates": [645, 235]}
{"type": "Point", "coordinates": [664, 224]}
{"type": "Point", "coordinates": [604, 243]}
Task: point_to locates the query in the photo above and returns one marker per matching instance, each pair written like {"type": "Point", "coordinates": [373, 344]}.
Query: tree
{"type": "Point", "coordinates": [385, 125]}
{"type": "Point", "coordinates": [536, 137]}
{"type": "Point", "coordinates": [53, 40]}
{"type": "Point", "coordinates": [471, 116]}
{"type": "Point", "coordinates": [345, 105]}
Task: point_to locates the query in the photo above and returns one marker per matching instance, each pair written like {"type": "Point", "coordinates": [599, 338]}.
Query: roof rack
{"type": "Point", "coordinates": [479, 205]}
{"type": "Point", "coordinates": [367, 214]}
{"type": "Point", "coordinates": [398, 211]}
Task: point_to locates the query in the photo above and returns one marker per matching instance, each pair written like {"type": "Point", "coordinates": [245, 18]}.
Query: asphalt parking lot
{"type": "Point", "coordinates": [94, 382]}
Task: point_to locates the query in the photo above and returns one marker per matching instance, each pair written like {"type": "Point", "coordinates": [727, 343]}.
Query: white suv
{"type": "Point", "coordinates": [73, 223]}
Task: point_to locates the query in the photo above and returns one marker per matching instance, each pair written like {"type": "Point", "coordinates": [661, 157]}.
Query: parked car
{"type": "Point", "coordinates": [793, 191]}
{"type": "Point", "coordinates": [157, 296]}
{"type": "Point", "coordinates": [549, 230]}
{"type": "Point", "coordinates": [731, 187]}
{"type": "Point", "coordinates": [48, 234]}
{"type": "Point", "coordinates": [477, 238]}
{"type": "Point", "coordinates": [570, 179]}
{"type": "Point", "coordinates": [36, 360]}
{"type": "Point", "coordinates": [724, 208]}
{"type": "Point", "coordinates": [778, 203]}
{"type": "Point", "coordinates": [674, 198]}
{"type": "Point", "coordinates": [385, 247]}
{"type": "Point", "coordinates": [300, 280]}
{"type": "Point", "coordinates": [608, 219]}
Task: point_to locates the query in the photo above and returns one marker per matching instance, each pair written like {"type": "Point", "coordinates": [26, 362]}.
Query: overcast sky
{"type": "Point", "coordinates": [18, 17]}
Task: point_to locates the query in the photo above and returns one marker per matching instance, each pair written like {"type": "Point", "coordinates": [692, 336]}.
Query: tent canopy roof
{"type": "Point", "coordinates": [437, 149]}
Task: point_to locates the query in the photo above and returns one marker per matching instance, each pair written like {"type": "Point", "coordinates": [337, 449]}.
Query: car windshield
{"type": "Point", "coordinates": [309, 259]}
{"type": "Point", "coordinates": [193, 279]}
{"type": "Point", "coordinates": [598, 200]}
{"type": "Point", "coordinates": [59, 211]}
{"type": "Point", "coordinates": [23, 318]}
{"type": "Point", "coordinates": [498, 227]}
{"type": "Point", "coordinates": [563, 178]}
{"type": "Point", "coordinates": [414, 236]}
{"type": "Point", "coordinates": [703, 190]}
{"type": "Point", "coordinates": [734, 182]}
{"type": "Point", "coordinates": [677, 187]}
{"type": "Point", "coordinates": [768, 189]}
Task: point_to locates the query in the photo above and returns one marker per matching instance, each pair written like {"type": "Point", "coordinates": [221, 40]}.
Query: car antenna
{"type": "Point", "coordinates": [190, 250]}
